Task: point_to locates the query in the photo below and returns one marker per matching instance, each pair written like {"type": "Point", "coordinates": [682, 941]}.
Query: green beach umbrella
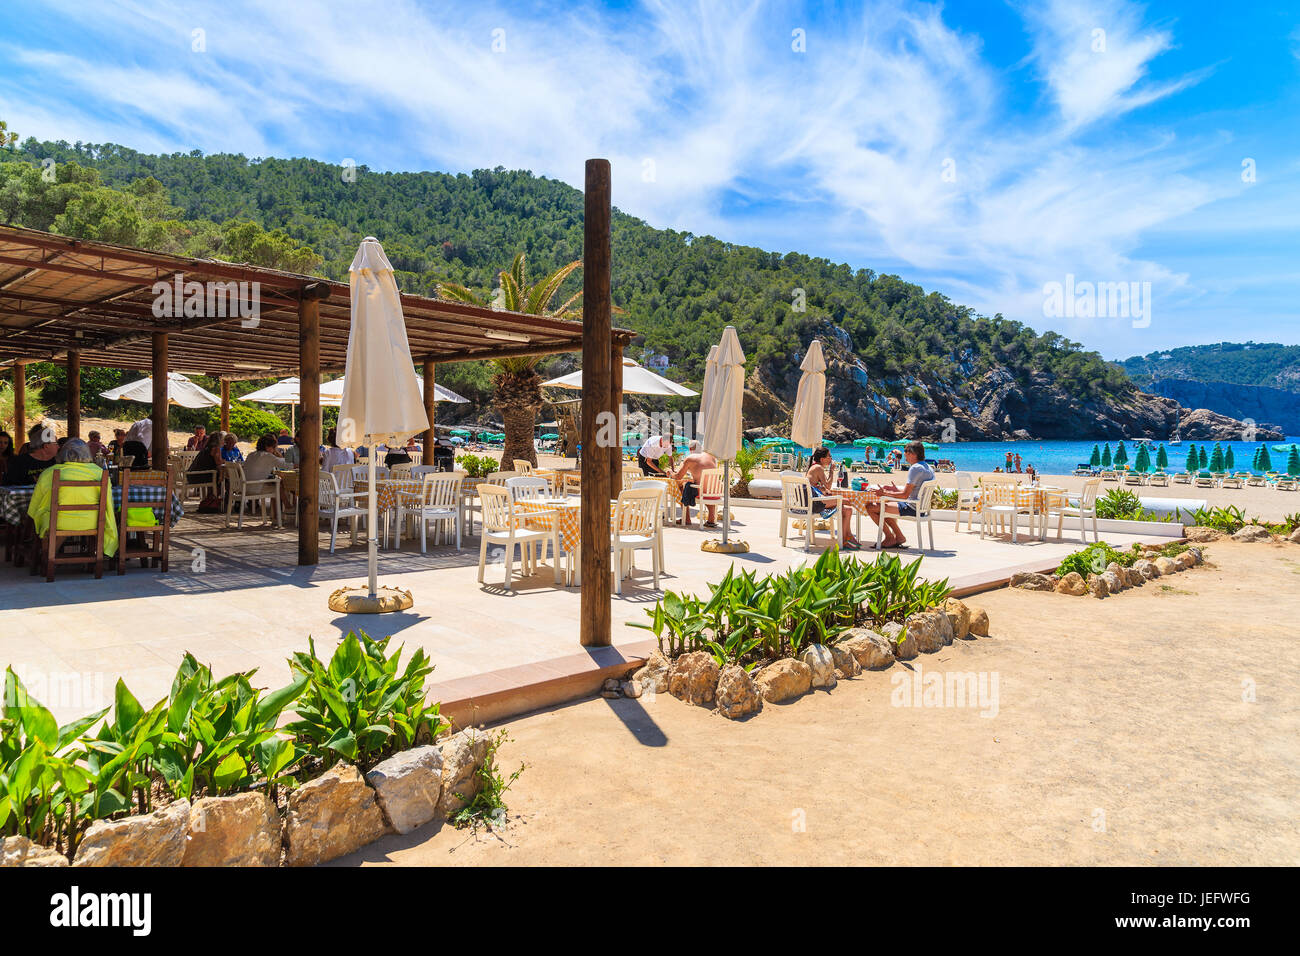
{"type": "Point", "coordinates": [1162, 458]}
{"type": "Point", "coordinates": [1121, 455]}
{"type": "Point", "coordinates": [462, 432]}
{"type": "Point", "coordinates": [1293, 461]}
{"type": "Point", "coordinates": [1229, 462]}
{"type": "Point", "coordinates": [1105, 456]}
{"type": "Point", "coordinates": [1264, 461]}
{"type": "Point", "coordinates": [1254, 461]}
{"type": "Point", "coordinates": [1143, 460]}
{"type": "Point", "coordinates": [1216, 459]}
{"type": "Point", "coordinates": [1193, 462]}
{"type": "Point", "coordinates": [1095, 460]}
{"type": "Point", "coordinates": [550, 436]}
{"type": "Point", "coordinates": [1203, 458]}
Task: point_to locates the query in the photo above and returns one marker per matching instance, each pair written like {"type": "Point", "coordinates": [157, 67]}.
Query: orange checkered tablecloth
{"type": "Point", "coordinates": [567, 515]}
{"type": "Point", "coordinates": [572, 481]}
{"type": "Point", "coordinates": [387, 490]}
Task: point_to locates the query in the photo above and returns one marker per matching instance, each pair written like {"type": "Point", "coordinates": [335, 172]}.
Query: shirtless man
{"type": "Point", "coordinates": [690, 474]}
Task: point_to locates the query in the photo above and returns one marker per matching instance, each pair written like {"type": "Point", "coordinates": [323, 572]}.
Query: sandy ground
{"type": "Point", "coordinates": [1121, 736]}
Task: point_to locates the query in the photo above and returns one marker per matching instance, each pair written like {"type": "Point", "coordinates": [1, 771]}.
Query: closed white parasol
{"type": "Point", "coordinates": [724, 394]}
{"type": "Point", "coordinates": [809, 403]}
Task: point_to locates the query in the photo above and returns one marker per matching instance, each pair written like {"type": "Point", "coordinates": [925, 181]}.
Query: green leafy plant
{"type": "Point", "coordinates": [359, 707]}
{"type": "Point", "coordinates": [1228, 519]}
{"type": "Point", "coordinates": [477, 466]}
{"type": "Point", "coordinates": [488, 807]}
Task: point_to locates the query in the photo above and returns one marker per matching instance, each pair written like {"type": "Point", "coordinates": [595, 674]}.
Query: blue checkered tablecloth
{"type": "Point", "coordinates": [14, 500]}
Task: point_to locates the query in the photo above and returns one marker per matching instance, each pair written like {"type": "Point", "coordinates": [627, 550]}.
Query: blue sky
{"type": "Point", "coordinates": [980, 148]}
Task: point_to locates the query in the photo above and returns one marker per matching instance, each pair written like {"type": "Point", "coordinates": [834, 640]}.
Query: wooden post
{"type": "Point", "coordinates": [74, 394]}
{"type": "Point", "coordinates": [597, 381]}
{"type": "Point", "coordinates": [225, 404]}
{"type": "Point", "coordinates": [429, 410]}
{"type": "Point", "coordinates": [161, 449]}
{"type": "Point", "coordinates": [20, 407]}
{"type": "Point", "coordinates": [309, 422]}
{"type": "Point", "coordinates": [616, 403]}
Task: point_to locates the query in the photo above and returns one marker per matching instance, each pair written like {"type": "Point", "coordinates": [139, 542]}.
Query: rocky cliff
{"type": "Point", "coordinates": [989, 405]}
{"type": "Point", "coordinates": [1275, 408]}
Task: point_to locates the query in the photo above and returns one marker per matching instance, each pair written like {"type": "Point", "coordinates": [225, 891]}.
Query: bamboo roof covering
{"type": "Point", "coordinates": [59, 294]}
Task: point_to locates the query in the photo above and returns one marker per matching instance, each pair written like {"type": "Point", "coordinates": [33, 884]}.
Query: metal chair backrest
{"type": "Point", "coordinates": [638, 511]}
{"type": "Point", "coordinates": [498, 508]}
{"type": "Point", "coordinates": [527, 486]}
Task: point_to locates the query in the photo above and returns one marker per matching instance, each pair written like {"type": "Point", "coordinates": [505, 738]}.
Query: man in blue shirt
{"type": "Point", "coordinates": [918, 473]}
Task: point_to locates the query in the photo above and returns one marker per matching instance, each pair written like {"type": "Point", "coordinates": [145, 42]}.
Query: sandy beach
{"type": "Point", "coordinates": [1120, 737]}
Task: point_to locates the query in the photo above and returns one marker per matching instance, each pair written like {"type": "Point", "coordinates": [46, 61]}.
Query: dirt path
{"type": "Point", "coordinates": [1120, 737]}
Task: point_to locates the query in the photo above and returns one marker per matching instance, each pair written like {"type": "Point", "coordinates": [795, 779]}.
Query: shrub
{"type": "Point", "coordinates": [247, 422]}
{"type": "Point", "coordinates": [477, 466]}
{"type": "Point", "coordinates": [1229, 520]}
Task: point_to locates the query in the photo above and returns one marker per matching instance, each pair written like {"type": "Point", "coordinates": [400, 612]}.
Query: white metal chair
{"type": "Point", "coordinates": [797, 505]}
{"type": "Point", "coordinates": [968, 499]}
{"type": "Point", "coordinates": [502, 524]}
{"type": "Point", "coordinates": [335, 504]}
{"type": "Point", "coordinates": [637, 526]}
{"type": "Point", "coordinates": [438, 500]}
{"type": "Point", "coordinates": [922, 513]}
{"type": "Point", "coordinates": [240, 491]}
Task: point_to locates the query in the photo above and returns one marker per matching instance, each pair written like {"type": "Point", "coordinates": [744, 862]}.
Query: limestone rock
{"type": "Point", "coordinates": [20, 851]}
{"type": "Point", "coordinates": [1147, 568]}
{"type": "Point", "coordinates": [1133, 578]}
{"type": "Point", "coordinates": [979, 622]}
{"type": "Point", "coordinates": [1252, 533]}
{"type": "Point", "coordinates": [331, 816]}
{"type": "Point", "coordinates": [1166, 565]}
{"type": "Point", "coordinates": [239, 830]}
{"type": "Point", "coordinates": [655, 672]}
{"type": "Point", "coordinates": [738, 695]}
{"type": "Point", "coordinates": [1294, 538]}
{"type": "Point", "coordinates": [1072, 583]}
{"type": "Point", "coordinates": [1199, 556]}
{"type": "Point", "coordinates": [872, 651]}
{"type": "Point", "coordinates": [821, 663]}
{"type": "Point", "coordinates": [1185, 561]}
{"type": "Point", "coordinates": [1031, 581]}
{"type": "Point", "coordinates": [846, 665]}
{"type": "Point", "coordinates": [959, 616]}
{"type": "Point", "coordinates": [152, 839]}
{"type": "Point", "coordinates": [611, 683]}
{"type": "Point", "coordinates": [1097, 586]}
{"type": "Point", "coordinates": [930, 629]}
{"type": "Point", "coordinates": [408, 787]}
{"type": "Point", "coordinates": [1114, 582]}
{"type": "Point", "coordinates": [892, 630]}
{"type": "Point", "coordinates": [694, 678]}
{"type": "Point", "coordinates": [630, 688]}
{"type": "Point", "coordinates": [784, 680]}
{"type": "Point", "coordinates": [463, 755]}
{"type": "Point", "coordinates": [1201, 535]}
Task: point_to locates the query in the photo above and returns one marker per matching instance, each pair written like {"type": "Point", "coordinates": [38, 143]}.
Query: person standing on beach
{"type": "Point", "coordinates": [1009, 458]}
{"type": "Point", "coordinates": [1017, 464]}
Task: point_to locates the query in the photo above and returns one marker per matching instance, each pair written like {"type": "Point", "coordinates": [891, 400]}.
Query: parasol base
{"type": "Point", "coordinates": [718, 546]}
{"type": "Point", "coordinates": [359, 601]}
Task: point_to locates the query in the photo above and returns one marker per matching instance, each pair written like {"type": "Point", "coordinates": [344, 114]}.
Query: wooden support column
{"type": "Point", "coordinates": [597, 430]}
{"type": "Point", "coordinates": [616, 402]}
{"type": "Point", "coordinates": [225, 404]}
{"type": "Point", "coordinates": [161, 449]}
{"type": "Point", "coordinates": [20, 406]}
{"type": "Point", "coordinates": [429, 406]}
{"type": "Point", "coordinates": [309, 422]}
{"type": "Point", "coordinates": [74, 394]}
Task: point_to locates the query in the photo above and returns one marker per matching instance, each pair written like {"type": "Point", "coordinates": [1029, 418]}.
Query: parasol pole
{"type": "Point", "coordinates": [371, 521]}
{"type": "Point", "coordinates": [726, 499]}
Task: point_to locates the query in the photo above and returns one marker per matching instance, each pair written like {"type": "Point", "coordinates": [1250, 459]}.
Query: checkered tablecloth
{"type": "Point", "coordinates": [572, 481]}
{"type": "Point", "coordinates": [387, 490]}
{"type": "Point", "coordinates": [544, 515]}
{"type": "Point", "coordinates": [15, 499]}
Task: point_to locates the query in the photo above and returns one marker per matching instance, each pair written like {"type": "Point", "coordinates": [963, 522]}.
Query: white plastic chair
{"type": "Point", "coordinates": [1087, 509]}
{"type": "Point", "coordinates": [334, 505]}
{"type": "Point", "coordinates": [240, 491]}
{"type": "Point", "coordinates": [637, 527]}
{"type": "Point", "coordinates": [797, 504]}
{"type": "Point", "coordinates": [1003, 500]}
{"type": "Point", "coordinates": [968, 499]}
{"type": "Point", "coordinates": [401, 469]}
{"type": "Point", "coordinates": [710, 491]}
{"type": "Point", "coordinates": [503, 525]}
{"type": "Point", "coordinates": [922, 514]}
{"type": "Point", "coordinates": [437, 500]}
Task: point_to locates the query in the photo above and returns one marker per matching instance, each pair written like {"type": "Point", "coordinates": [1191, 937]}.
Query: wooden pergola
{"type": "Point", "coordinates": [80, 301]}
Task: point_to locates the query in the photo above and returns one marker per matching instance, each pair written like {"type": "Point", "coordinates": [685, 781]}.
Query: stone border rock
{"type": "Point", "coordinates": [1114, 579]}
{"type": "Point", "coordinates": [330, 816]}
{"type": "Point", "coordinates": [738, 694]}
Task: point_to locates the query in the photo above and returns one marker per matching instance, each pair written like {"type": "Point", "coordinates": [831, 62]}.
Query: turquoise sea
{"type": "Point", "coordinates": [1062, 457]}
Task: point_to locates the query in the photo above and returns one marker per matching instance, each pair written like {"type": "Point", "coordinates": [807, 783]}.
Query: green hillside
{"type": "Point", "coordinates": [678, 290]}
{"type": "Point", "coordinates": [1240, 363]}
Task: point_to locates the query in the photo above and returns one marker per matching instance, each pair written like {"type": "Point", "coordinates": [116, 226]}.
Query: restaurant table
{"type": "Point", "coordinates": [566, 514]}
{"type": "Point", "coordinates": [15, 499]}
{"type": "Point", "coordinates": [388, 489]}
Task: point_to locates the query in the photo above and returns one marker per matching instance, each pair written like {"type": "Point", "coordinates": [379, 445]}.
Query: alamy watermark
{"type": "Point", "coordinates": [1098, 300]}
{"type": "Point", "coordinates": [946, 689]}
{"type": "Point", "coordinates": [210, 300]}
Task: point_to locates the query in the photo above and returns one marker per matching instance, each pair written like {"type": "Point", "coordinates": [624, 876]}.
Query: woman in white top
{"type": "Point", "coordinates": [334, 455]}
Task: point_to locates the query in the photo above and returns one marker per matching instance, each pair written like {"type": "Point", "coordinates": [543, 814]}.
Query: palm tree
{"type": "Point", "coordinates": [517, 392]}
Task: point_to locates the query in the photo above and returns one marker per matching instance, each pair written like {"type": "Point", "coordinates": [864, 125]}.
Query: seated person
{"type": "Point", "coordinates": [134, 455]}
{"type": "Point", "coordinates": [334, 455]}
{"type": "Point", "coordinates": [73, 464]}
{"type": "Point", "coordinates": [690, 475]}
{"type": "Point", "coordinates": [264, 462]}
{"type": "Point", "coordinates": [918, 473]}
{"type": "Point", "coordinates": [119, 439]}
{"type": "Point", "coordinates": [284, 438]}
{"type": "Point", "coordinates": [821, 475]}
{"type": "Point", "coordinates": [293, 453]}
{"type": "Point", "coordinates": [396, 456]}
{"type": "Point", "coordinates": [207, 463]}
{"type": "Point", "coordinates": [96, 446]}
{"type": "Point", "coordinates": [38, 455]}
{"type": "Point", "coordinates": [230, 449]}
{"type": "Point", "coordinates": [198, 441]}
{"type": "Point", "coordinates": [141, 431]}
